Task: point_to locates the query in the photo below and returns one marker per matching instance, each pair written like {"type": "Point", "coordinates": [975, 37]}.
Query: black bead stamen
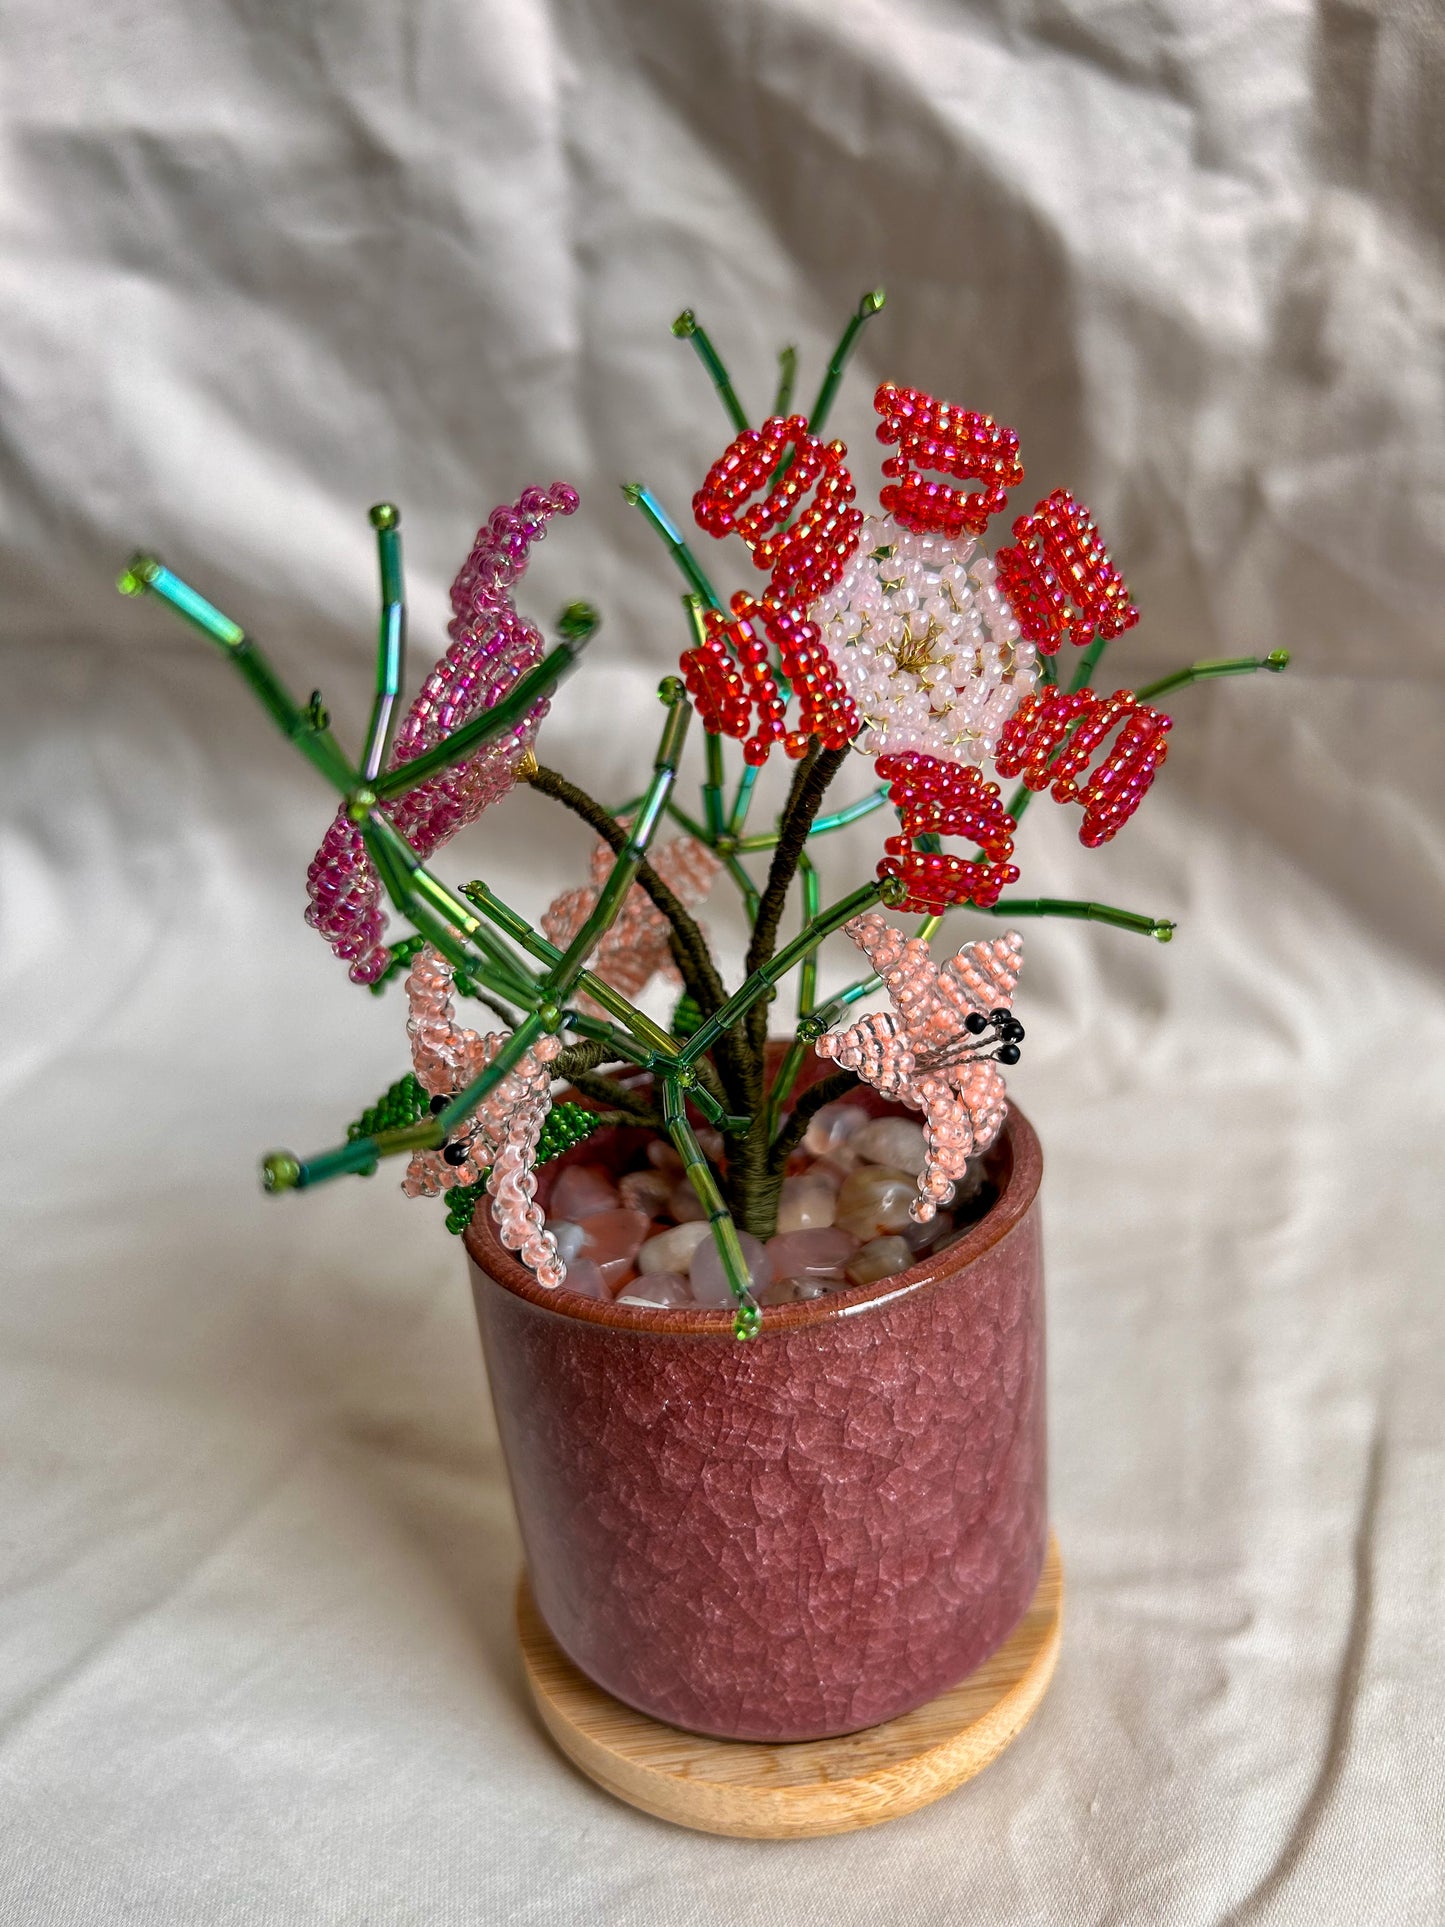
{"type": "Point", "coordinates": [457, 1151]}
{"type": "Point", "coordinates": [439, 1103]}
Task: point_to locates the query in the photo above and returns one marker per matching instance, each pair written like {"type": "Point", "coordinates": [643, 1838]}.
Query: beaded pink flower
{"type": "Point", "coordinates": [502, 1134]}
{"type": "Point", "coordinates": [939, 1048]}
{"type": "Point", "coordinates": [635, 949]}
{"type": "Point", "coordinates": [491, 647]}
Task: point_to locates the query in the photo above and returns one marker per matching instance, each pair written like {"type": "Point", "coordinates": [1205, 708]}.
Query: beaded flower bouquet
{"type": "Point", "coordinates": [824, 1526]}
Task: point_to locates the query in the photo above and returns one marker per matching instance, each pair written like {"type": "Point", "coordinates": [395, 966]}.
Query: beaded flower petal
{"type": "Point", "coordinates": [635, 949]}
{"type": "Point", "coordinates": [501, 1135]}
{"type": "Point", "coordinates": [1055, 733]}
{"type": "Point", "coordinates": [491, 647]}
{"type": "Point", "coordinates": [938, 1049]}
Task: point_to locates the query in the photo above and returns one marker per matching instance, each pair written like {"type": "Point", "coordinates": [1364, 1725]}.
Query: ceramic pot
{"type": "Point", "coordinates": [798, 1536]}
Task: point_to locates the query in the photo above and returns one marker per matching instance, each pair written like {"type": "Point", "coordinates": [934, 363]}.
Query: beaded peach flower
{"type": "Point", "coordinates": [939, 1048]}
{"type": "Point", "coordinates": [491, 647]}
{"type": "Point", "coordinates": [502, 1134]}
{"type": "Point", "coordinates": [635, 949]}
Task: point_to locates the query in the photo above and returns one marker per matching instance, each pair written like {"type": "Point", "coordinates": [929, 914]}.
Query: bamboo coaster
{"type": "Point", "coordinates": [760, 1792]}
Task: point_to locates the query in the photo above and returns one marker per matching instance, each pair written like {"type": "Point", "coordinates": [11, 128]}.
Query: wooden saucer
{"type": "Point", "coordinates": [761, 1792]}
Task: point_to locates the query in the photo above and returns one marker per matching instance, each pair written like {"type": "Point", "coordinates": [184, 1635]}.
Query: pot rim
{"type": "Point", "coordinates": [1017, 1190]}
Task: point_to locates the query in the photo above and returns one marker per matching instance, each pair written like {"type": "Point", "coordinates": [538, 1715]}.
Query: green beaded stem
{"type": "Point", "coordinates": [742, 802]}
{"type": "Point", "coordinates": [1087, 664]}
{"type": "Point", "coordinates": [446, 920]}
{"type": "Point", "coordinates": [643, 498]}
{"type": "Point", "coordinates": [762, 980]}
{"type": "Point", "coordinates": [391, 640]}
{"type": "Point", "coordinates": [724, 850]}
{"type": "Point", "coordinates": [623, 874]}
{"type": "Point", "coordinates": [786, 1078]}
{"type": "Point", "coordinates": [870, 305]}
{"type": "Point", "coordinates": [850, 813]}
{"type": "Point", "coordinates": [307, 727]}
{"type": "Point", "coordinates": [808, 969]}
{"type": "Point", "coordinates": [503, 716]}
{"type": "Point", "coordinates": [647, 1045]}
{"type": "Point", "coordinates": [1275, 661]}
{"type": "Point", "coordinates": [687, 327]}
{"type": "Point", "coordinates": [712, 789]}
{"type": "Point", "coordinates": [787, 379]}
{"type": "Point", "coordinates": [1160, 928]}
{"type": "Point", "coordinates": [747, 1318]}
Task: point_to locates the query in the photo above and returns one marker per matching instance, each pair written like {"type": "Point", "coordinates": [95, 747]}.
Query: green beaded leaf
{"type": "Point", "coordinates": [402, 1103]}
{"type": "Point", "coordinates": [686, 1016]}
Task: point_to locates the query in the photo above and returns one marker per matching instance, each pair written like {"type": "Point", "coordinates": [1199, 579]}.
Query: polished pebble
{"type": "Point", "coordinates": [584, 1276]}
{"type": "Point", "coordinates": [709, 1282]}
{"type": "Point", "coordinates": [582, 1190]}
{"type": "Point", "coordinates": [793, 1291]}
{"type": "Point", "coordinates": [830, 1129]}
{"type": "Point", "coordinates": [874, 1200]}
{"type": "Point", "coordinates": [799, 1254]}
{"type": "Point", "coordinates": [569, 1238]}
{"type": "Point", "coordinates": [672, 1250]}
{"type": "Point", "coordinates": [656, 1288]}
{"type": "Point", "coordinates": [922, 1238]}
{"type": "Point", "coordinates": [881, 1258]}
{"type": "Point", "coordinates": [646, 1191]}
{"type": "Point", "coordinates": [613, 1241]}
{"type": "Point", "coordinates": [807, 1203]}
{"type": "Point", "coordinates": [661, 1156]}
{"type": "Point", "coordinates": [893, 1141]}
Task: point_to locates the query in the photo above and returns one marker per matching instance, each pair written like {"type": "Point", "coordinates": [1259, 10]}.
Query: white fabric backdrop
{"type": "Point", "coordinates": [265, 265]}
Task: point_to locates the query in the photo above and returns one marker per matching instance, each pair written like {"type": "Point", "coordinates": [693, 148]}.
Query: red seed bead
{"type": "Point", "coordinates": [937, 437]}
{"type": "Point", "coordinates": [1059, 579]}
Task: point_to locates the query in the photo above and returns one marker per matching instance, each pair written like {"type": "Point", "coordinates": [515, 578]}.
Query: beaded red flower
{"type": "Point", "coordinates": [916, 642]}
{"type": "Point", "coordinates": [946, 799]}
{"type": "Point", "coordinates": [1051, 737]}
{"type": "Point", "coordinates": [939, 1048]}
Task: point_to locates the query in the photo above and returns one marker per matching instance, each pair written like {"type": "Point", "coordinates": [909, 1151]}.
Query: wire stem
{"type": "Point", "coordinates": [787, 379]}
{"type": "Point", "coordinates": [1145, 926]}
{"type": "Point", "coordinates": [1276, 660]}
{"type": "Point", "coordinates": [870, 304]}
{"type": "Point", "coordinates": [390, 643]}
{"type": "Point", "coordinates": [747, 1318]}
{"type": "Point", "coordinates": [687, 327]}
{"type": "Point", "coordinates": [307, 727]}
{"type": "Point", "coordinates": [643, 498]}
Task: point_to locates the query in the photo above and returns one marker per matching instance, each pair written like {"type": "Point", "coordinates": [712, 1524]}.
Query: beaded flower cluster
{"type": "Point", "coordinates": [899, 635]}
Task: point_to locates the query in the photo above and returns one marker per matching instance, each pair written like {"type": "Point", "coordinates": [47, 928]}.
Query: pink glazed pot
{"type": "Point", "coordinates": [796, 1537]}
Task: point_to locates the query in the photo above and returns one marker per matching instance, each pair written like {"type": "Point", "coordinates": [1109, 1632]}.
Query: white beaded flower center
{"type": "Point", "coordinates": [925, 644]}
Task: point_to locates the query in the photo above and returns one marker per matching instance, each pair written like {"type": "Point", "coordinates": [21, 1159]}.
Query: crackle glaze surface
{"type": "Point", "coordinates": [797, 1537]}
